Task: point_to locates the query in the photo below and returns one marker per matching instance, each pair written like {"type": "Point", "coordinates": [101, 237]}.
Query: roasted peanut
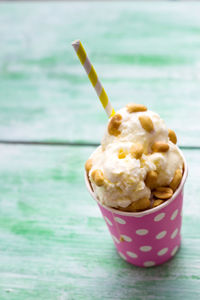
{"type": "Point", "coordinates": [98, 178]}
{"type": "Point", "coordinates": [133, 107]}
{"type": "Point", "coordinates": [88, 165]}
{"type": "Point", "coordinates": [157, 202]}
{"type": "Point", "coordinates": [136, 151]}
{"type": "Point", "coordinates": [163, 192]}
{"type": "Point", "coordinates": [176, 179]}
{"type": "Point", "coordinates": [114, 124]}
{"type": "Point", "coordinates": [139, 205]}
{"type": "Point", "coordinates": [160, 147]}
{"type": "Point", "coordinates": [172, 136]}
{"type": "Point", "coordinates": [121, 154]}
{"type": "Point", "coordinates": [146, 123]}
{"type": "Point", "coordinates": [151, 179]}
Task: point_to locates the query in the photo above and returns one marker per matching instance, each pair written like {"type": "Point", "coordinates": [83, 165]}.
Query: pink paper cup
{"type": "Point", "coordinates": [147, 238]}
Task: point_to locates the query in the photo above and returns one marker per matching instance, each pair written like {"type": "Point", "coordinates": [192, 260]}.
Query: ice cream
{"type": "Point", "coordinates": [138, 165]}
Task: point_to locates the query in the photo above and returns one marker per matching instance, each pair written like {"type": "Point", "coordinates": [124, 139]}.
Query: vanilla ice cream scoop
{"type": "Point", "coordinates": [137, 161]}
{"type": "Point", "coordinates": [131, 129]}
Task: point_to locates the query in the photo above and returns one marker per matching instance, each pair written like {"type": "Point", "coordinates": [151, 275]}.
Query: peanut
{"type": "Point", "coordinates": [163, 192]}
{"type": "Point", "coordinates": [176, 179]}
{"type": "Point", "coordinates": [151, 179]}
{"type": "Point", "coordinates": [133, 107]}
{"type": "Point", "coordinates": [136, 151]}
{"type": "Point", "coordinates": [146, 123]}
{"type": "Point", "coordinates": [172, 136]}
{"type": "Point", "coordinates": [160, 147]}
{"type": "Point", "coordinates": [157, 202]}
{"type": "Point", "coordinates": [121, 154]}
{"type": "Point", "coordinates": [114, 124]}
{"type": "Point", "coordinates": [88, 165]}
{"type": "Point", "coordinates": [98, 178]}
{"type": "Point", "coordinates": [139, 205]}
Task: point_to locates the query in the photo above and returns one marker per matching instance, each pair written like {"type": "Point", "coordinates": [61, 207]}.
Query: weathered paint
{"type": "Point", "coordinates": [142, 52]}
{"type": "Point", "coordinates": [55, 244]}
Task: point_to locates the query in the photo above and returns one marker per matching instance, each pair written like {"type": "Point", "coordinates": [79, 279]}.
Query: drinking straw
{"type": "Point", "coordinates": [80, 51]}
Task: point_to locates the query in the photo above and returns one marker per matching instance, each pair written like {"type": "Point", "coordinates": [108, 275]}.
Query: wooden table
{"type": "Point", "coordinates": [53, 242]}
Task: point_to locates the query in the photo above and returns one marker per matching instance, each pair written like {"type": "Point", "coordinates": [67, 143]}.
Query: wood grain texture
{"type": "Point", "coordinates": [55, 244]}
{"type": "Point", "coordinates": [142, 52]}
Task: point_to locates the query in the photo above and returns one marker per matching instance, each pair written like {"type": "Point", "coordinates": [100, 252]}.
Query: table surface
{"type": "Point", "coordinates": [54, 243]}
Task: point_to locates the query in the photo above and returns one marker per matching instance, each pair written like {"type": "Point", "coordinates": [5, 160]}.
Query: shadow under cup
{"type": "Point", "coordinates": [150, 237]}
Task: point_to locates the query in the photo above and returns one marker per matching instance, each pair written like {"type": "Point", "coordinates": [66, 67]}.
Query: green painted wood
{"type": "Point", "coordinates": [143, 52]}
{"type": "Point", "coordinates": [55, 245]}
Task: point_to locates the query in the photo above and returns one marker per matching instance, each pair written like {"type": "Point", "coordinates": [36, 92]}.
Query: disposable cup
{"type": "Point", "coordinates": [148, 238]}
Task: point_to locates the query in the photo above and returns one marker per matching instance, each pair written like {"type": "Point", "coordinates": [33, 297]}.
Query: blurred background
{"type": "Point", "coordinates": [53, 242]}
{"type": "Point", "coordinates": [142, 51]}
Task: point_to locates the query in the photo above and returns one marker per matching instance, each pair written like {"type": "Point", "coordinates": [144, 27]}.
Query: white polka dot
{"type": "Point", "coordinates": [162, 251]}
{"type": "Point", "coordinates": [115, 239]}
{"type": "Point", "coordinates": [175, 213]}
{"type": "Point", "coordinates": [173, 235]}
{"type": "Point", "coordinates": [120, 220]}
{"type": "Point", "coordinates": [149, 263]}
{"type": "Point", "coordinates": [108, 221]}
{"type": "Point", "coordinates": [126, 238]}
{"type": "Point", "coordinates": [122, 255]}
{"type": "Point", "coordinates": [161, 235]}
{"type": "Point", "coordinates": [159, 217]}
{"type": "Point", "coordinates": [142, 231]}
{"type": "Point", "coordinates": [174, 251]}
{"type": "Point", "coordinates": [132, 254]}
{"type": "Point", "coordinates": [145, 248]}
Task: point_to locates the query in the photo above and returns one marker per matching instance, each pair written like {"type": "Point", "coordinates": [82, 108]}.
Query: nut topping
{"type": "Point", "coordinates": [114, 124]}
{"type": "Point", "coordinates": [176, 179]}
{"type": "Point", "coordinates": [136, 151]}
{"type": "Point", "coordinates": [98, 178]}
{"type": "Point", "coordinates": [172, 136]}
{"type": "Point", "coordinates": [163, 193]}
{"type": "Point", "coordinates": [160, 147]}
{"type": "Point", "coordinates": [151, 179]}
{"type": "Point", "coordinates": [157, 202]}
{"type": "Point", "coordinates": [138, 205]}
{"type": "Point", "coordinates": [88, 165]}
{"type": "Point", "coordinates": [133, 107]}
{"type": "Point", "coordinates": [146, 123]}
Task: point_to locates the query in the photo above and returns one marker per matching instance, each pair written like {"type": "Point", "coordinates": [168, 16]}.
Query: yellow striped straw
{"type": "Point", "coordinates": [80, 51]}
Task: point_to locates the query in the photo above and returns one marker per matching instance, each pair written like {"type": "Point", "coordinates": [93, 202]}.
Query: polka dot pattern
{"type": "Point", "coordinates": [162, 251]}
{"type": "Point", "coordinates": [108, 221]}
{"type": "Point", "coordinates": [126, 238]}
{"type": "Point", "coordinates": [149, 263]}
{"type": "Point", "coordinates": [174, 251]}
{"type": "Point", "coordinates": [142, 231]}
{"type": "Point", "coordinates": [132, 254]}
{"type": "Point", "coordinates": [159, 217]}
{"type": "Point", "coordinates": [175, 213]}
{"type": "Point", "coordinates": [161, 235]}
{"type": "Point", "coordinates": [174, 233]}
{"type": "Point", "coordinates": [120, 220]}
{"type": "Point", "coordinates": [147, 239]}
{"type": "Point", "coordinates": [122, 255]}
{"type": "Point", "coordinates": [145, 248]}
{"type": "Point", "coordinates": [115, 239]}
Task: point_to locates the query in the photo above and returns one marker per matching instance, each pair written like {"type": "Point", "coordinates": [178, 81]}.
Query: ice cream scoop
{"type": "Point", "coordinates": [137, 157]}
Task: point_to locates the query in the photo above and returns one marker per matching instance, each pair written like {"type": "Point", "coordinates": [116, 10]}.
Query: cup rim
{"type": "Point", "coordinates": [145, 212]}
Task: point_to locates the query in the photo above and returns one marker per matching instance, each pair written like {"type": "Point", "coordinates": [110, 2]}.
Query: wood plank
{"type": "Point", "coordinates": [55, 244]}
{"type": "Point", "coordinates": [142, 53]}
